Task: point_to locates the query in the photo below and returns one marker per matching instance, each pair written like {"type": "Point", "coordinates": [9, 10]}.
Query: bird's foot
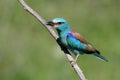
{"type": "Point", "coordinates": [73, 62]}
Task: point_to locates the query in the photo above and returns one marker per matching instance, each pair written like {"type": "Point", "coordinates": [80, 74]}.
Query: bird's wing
{"type": "Point", "coordinates": [79, 37]}
{"type": "Point", "coordinates": [82, 40]}
{"type": "Point", "coordinates": [77, 42]}
{"type": "Point", "coordinates": [74, 43]}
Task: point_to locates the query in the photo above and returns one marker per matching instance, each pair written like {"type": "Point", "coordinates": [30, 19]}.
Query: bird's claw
{"type": "Point", "coordinates": [73, 62]}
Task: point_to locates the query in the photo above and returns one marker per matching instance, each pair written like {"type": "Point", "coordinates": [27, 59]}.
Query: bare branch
{"type": "Point", "coordinates": [55, 36]}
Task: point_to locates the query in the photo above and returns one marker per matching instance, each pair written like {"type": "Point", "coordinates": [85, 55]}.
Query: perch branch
{"type": "Point", "coordinates": [55, 36]}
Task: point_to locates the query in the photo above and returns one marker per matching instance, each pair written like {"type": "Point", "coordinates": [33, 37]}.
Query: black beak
{"type": "Point", "coordinates": [50, 23]}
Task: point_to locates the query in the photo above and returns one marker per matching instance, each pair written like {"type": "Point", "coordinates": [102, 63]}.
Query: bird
{"type": "Point", "coordinates": [73, 40]}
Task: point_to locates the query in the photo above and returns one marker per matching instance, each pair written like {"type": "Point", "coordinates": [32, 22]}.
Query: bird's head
{"type": "Point", "coordinates": [60, 24]}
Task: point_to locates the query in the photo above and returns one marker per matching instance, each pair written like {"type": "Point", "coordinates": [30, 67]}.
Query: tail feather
{"type": "Point", "coordinates": [100, 57]}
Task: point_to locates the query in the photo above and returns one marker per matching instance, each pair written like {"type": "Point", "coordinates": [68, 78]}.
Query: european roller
{"type": "Point", "coordinates": [72, 40]}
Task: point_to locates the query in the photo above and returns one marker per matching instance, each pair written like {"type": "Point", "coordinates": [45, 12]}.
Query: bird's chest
{"type": "Point", "coordinates": [63, 39]}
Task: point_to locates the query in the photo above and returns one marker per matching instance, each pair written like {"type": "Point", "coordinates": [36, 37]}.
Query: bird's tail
{"type": "Point", "coordinates": [100, 57]}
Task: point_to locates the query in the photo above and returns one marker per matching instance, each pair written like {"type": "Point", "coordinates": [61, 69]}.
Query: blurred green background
{"type": "Point", "coordinates": [28, 52]}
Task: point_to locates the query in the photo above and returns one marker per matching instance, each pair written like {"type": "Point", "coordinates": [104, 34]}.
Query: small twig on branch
{"type": "Point", "coordinates": [55, 36]}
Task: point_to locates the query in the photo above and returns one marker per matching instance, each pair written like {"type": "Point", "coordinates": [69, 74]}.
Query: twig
{"type": "Point", "coordinates": [55, 36]}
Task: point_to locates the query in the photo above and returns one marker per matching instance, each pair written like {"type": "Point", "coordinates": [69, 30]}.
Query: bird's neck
{"type": "Point", "coordinates": [63, 33]}
{"type": "Point", "coordinates": [63, 30]}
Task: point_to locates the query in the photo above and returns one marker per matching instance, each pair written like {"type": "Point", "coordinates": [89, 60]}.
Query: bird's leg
{"type": "Point", "coordinates": [75, 60]}
{"type": "Point", "coordinates": [76, 57]}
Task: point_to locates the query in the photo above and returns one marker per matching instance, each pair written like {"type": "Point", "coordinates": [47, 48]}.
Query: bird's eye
{"type": "Point", "coordinates": [60, 23]}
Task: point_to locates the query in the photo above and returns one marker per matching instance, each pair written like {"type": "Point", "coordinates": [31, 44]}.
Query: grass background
{"type": "Point", "coordinates": [28, 52]}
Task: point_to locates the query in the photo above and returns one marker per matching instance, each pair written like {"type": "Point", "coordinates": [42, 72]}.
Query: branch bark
{"type": "Point", "coordinates": [55, 36]}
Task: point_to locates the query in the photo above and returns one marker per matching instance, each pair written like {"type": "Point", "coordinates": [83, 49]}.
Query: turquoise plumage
{"type": "Point", "coordinates": [73, 40]}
